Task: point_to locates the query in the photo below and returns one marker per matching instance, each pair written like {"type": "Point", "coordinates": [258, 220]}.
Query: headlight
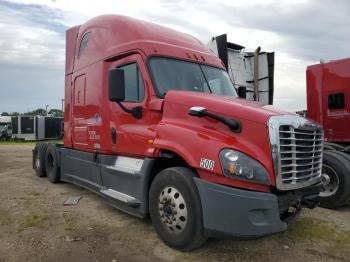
{"type": "Point", "coordinates": [237, 165]}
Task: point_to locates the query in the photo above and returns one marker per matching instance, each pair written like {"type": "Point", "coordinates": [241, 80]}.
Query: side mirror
{"type": "Point", "coordinates": [116, 85]}
{"type": "Point", "coordinates": [242, 91]}
{"type": "Point", "coordinates": [116, 91]}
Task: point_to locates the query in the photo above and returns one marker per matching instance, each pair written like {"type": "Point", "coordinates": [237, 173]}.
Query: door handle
{"type": "Point", "coordinates": [114, 135]}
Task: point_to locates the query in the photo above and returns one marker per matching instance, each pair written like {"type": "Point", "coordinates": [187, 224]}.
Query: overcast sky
{"type": "Point", "coordinates": [32, 39]}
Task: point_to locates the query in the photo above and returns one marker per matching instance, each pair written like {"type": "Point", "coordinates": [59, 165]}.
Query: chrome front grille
{"type": "Point", "coordinates": [297, 146]}
{"type": "Point", "coordinates": [301, 154]}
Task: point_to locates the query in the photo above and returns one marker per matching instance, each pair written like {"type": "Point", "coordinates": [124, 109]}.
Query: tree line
{"type": "Point", "coordinates": [36, 112]}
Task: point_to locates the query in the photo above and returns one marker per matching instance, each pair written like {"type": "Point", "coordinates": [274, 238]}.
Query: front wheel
{"type": "Point", "coordinates": [175, 209]}
{"type": "Point", "coordinates": [335, 179]}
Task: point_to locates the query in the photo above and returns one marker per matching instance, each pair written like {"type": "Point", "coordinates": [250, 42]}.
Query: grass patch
{"type": "Point", "coordinates": [307, 228]}
{"type": "Point", "coordinates": [69, 221]}
{"type": "Point", "coordinates": [32, 221]}
{"type": "Point", "coordinates": [26, 143]}
{"type": "Point", "coordinates": [29, 143]}
{"type": "Point", "coordinates": [96, 225]}
{"type": "Point", "coordinates": [4, 221]}
{"type": "Point", "coordinates": [34, 194]}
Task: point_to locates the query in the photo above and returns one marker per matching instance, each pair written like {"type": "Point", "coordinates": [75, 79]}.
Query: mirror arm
{"type": "Point", "coordinates": [135, 111]}
{"type": "Point", "coordinates": [233, 124]}
{"type": "Point", "coordinates": [124, 108]}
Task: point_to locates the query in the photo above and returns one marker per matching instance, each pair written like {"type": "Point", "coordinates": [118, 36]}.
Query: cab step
{"type": "Point", "coordinates": [129, 200]}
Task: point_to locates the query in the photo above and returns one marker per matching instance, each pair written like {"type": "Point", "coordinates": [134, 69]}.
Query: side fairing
{"type": "Point", "coordinates": [84, 116]}
{"type": "Point", "coordinates": [314, 80]}
{"type": "Point", "coordinates": [67, 112]}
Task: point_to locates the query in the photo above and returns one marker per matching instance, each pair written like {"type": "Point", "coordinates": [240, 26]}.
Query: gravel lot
{"type": "Point", "coordinates": [35, 226]}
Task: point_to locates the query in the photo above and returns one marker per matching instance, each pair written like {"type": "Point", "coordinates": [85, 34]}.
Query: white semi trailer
{"type": "Point", "coordinates": [251, 72]}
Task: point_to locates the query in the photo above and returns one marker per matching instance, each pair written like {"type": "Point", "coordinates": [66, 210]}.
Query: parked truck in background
{"type": "Point", "coordinates": [5, 127]}
{"type": "Point", "coordinates": [328, 103]}
{"type": "Point", "coordinates": [153, 124]}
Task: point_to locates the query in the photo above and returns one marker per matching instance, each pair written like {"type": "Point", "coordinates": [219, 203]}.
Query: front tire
{"type": "Point", "coordinates": [336, 180]}
{"type": "Point", "coordinates": [175, 209]}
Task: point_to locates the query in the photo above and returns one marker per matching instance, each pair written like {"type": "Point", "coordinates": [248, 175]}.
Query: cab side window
{"type": "Point", "coordinates": [134, 88]}
{"type": "Point", "coordinates": [336, 101]}
{"type": "Point", "coordinates": [83, 43]}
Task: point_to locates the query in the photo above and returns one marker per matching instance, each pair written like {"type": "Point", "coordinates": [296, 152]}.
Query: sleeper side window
{"type": "Point", "coordinates": [134, 88]}
{"type": "Point", "coordinates": [336, 101]}
{"type": "Point", "coordinates": [83, 43]}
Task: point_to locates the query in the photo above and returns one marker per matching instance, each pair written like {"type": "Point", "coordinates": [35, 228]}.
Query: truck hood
{"type": "Point", "coordinates": [195, 138]}
{"type": "Point", "coordinates": [229, 107]}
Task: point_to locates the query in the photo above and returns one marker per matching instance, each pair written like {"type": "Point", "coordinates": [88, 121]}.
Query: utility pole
{"type": "Point", "coordinates": [46, 109]}
{"type": "Point", "coordinates": [62, 100]}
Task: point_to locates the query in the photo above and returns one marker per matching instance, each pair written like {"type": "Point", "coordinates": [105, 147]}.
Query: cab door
{"type": "Point", "coordinates": [80, 137]}
{"type": "Point", "coordinates": [130, 135]}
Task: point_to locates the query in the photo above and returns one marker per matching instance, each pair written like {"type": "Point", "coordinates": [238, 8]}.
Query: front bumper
{"type": "Point", "coordinates": [235, 212]}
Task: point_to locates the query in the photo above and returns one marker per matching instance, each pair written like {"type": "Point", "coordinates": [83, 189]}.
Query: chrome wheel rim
{"type": "Point", "coordinates": [172, 210]}
{"type": "Point", "coordinates": [330, 181]}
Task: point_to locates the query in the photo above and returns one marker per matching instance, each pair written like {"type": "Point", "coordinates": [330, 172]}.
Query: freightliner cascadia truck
{"type": "Point", "coordinates": [153, 124]}
{"type": "Point", "coordinates": [328, 103]}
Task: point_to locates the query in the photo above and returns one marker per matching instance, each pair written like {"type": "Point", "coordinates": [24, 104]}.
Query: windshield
{"type": "Point", "coordinates": [3, 125]}
{"type": "Point", "coordinates": [171, 74]}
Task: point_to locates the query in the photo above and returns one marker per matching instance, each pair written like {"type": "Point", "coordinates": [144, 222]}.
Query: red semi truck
{"type": "Point", "coordinates": [328, 103]}
{"type": "Point", "coordinates": [153, 124]}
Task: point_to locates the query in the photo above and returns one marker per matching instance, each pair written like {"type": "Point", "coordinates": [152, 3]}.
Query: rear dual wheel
{"type": "Point", "coordinates": [52, 164]}
{"type": "Point", "coordinates": [39, 159]}
{"type": "Point", "coordinates": [175, 209]}
{"type": "Point", "coordinates": [46, 162]}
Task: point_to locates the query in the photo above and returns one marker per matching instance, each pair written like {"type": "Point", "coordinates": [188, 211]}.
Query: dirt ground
{"type": "Point", "coordinates": [35, 226]}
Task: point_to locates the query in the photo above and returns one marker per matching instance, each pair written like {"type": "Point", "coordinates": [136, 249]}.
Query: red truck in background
{"type": "Point", "coordinates": [328, 103]}
{"type": "Point", "coordinates": [153, 124]}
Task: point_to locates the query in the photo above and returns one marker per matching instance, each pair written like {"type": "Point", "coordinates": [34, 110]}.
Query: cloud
{"type": "Point", "coordinates": [31, 34]}
{"type": "Point", "coordinates": [27, 45]}
{"type": "Point", "coordinates": [27, 87]}
{"type": "Point", "coordinates": [300, 32]}
{"type": "Point", "coordinates": [31, 15]}
{"type": "Point", "coordinates": [32, 57]}
{"type": "Point", "coordinates": [310, 30]}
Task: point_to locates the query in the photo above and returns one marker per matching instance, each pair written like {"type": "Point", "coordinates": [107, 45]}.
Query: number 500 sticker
{"type": "Point", "coordinates": [207, 163]}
